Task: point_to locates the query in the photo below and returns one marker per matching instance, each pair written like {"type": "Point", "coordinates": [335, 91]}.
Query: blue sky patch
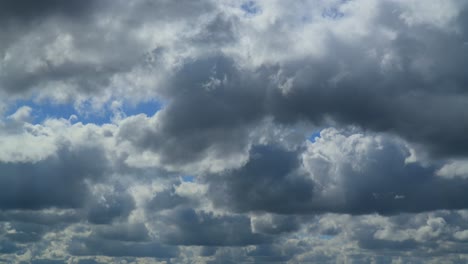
{"type": "Point", "coordinates": [314, 136]}
{"type": "Point", "coordinates": [250, 7]}
{"type": "Point", "coordinates": [46, 110]}
{"type": "Point", "coordinates": [149, 108]}
{"type": "Point", "coordinates": [188, 178]}
{"type": "Point", "coordinates": [43, 111]}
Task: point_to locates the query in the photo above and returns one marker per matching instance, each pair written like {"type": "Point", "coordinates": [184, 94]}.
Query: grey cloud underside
{"type": "Point", "coordinates": [40, 217]}
{"type": "Point", "coordinates": [26, 11]}
{"type": "Point", "coordinates": [107, 207]}
{"type": "Point", "coordinates": [129, 232]}
{"type": "Point", "coordinates": [167, 199]}
{"type": "Point", "coordinates": [223, 171]}
{"type": "Point", "coordinates": [270, 182]}
{"type": "Point", "coordinates": [267, 182]}
{"type": "Point", "coordinates": [205, 229]}
{"type": "Point", "coordinates": [55, 182]}
{"type": "Point", "coordinates": [198, 120]}
{"type": "Point", "coordinates": [91, 246]}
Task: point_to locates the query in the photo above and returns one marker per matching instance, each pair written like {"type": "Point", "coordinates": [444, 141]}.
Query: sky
{"type": "Point", "coordinates": [232, 131]}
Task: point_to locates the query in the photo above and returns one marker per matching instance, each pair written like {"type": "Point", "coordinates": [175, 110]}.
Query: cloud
{"type": "Point", "coordinates": [221, 167]}
{"type": "Point", "coordinates": [209, 97]}
{"type": "Point", "coordinates": [44, 217]}
{"type": "Point", "coordinates": [192, 228]}
{"type": "Point", "coordinates": [274, 224]}
{"type": "Point", "coordinates": [109, 204]}
{"type": "Point", "coordinates": [123, 232]}
{"type": "Point", "coordinates": [354, 173]}
{"type": "Point", "coordinates": [93, 246]}
{"type": "Point", "coordinates": [55, 182]}
{"type": "Point", "coordinates": [366, 173]}
{"type": "Point", "coordinates": [269, 181]}
{"type": "Point", "coordinates": [25, 11]}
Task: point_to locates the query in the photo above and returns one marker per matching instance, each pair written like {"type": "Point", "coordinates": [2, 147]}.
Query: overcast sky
{"type": "Point", "coordinates": [232, 131]}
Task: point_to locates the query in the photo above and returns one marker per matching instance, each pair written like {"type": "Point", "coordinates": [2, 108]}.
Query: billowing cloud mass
{"type": "Point", "coordinates": [263, 131]}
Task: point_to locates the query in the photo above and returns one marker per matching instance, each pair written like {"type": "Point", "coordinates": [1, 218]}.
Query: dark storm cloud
{"type": "Point", "coordinates": [367, 241]}
{"type": "Point", "coordinates": [23, 10]}
{"type": "Point", "coordinates": [95, 246]}
{"type": "Point", "coordinates": [208, 251]}
{"type": "Point", "coordinates": [48, 261]}
{"type": "Point", "coordinates": [148, 10]}
{"type": "Point", "coordinates": [58, 181]}
{"type": "Point", "coordinates": [9, 247]}
{"type": "Point", "coordinates": [431, 119]}
{"type": "Point", "coordinates": [257, 254]}
{"type": "Point", "coordinates": [88, 261]}
{"type": "Point", "coordinates": [275, 224]}
{"type": "Point", "coordinates": [269, 181]}
{"type": "Point", "coordinates": [107, 207]}
{"type": "Point", "coordinates": [381, 181]}
{"type": "Point", "coordinates": [41, 217]}
{"type": "Point", "coordinates": [189, 227]}
{"type": "Point", "coordinates": [425, 106]}
{"type": "Point", "coordinates": [212, 106]}
{"type": "Point", "coordinates": [166, 199]}
{"type": "Point", "coordinates": [378, 180]}
{"type": "Point", "coordinates": [26, 232]}
{"type": "Point", "coordinates": [123, 232]}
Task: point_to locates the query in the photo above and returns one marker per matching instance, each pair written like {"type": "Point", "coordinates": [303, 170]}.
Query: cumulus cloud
{"type": "Point", "coordinates": [353, 173]}
{"type": "Point", "coordinates": [233, 131]}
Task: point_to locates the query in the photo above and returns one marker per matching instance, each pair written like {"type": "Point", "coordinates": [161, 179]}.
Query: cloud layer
{"type": "Point", "coordinates": [233, 131]}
